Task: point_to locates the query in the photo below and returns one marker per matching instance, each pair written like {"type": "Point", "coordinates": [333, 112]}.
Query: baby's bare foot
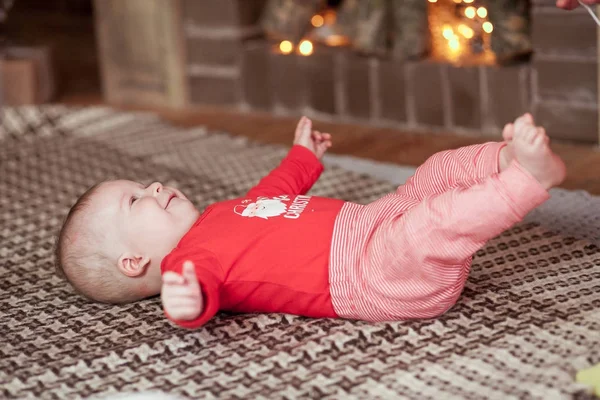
{"type": "Point", "coordinates": [507, 154]}
{"type": "Point", "coordinates": [531, 150]}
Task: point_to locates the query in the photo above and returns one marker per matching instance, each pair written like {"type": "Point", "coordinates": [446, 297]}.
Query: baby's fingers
{"type": "Point", "coordinates": [303, 128]}
{"type": "Point", "coordinates": [189, 273]}
{"type": "Point", "coordinates": [321, 137]}
{"type": "Point", "coordinates": [180, 291]}
{"type": "Point", "coordinates": [178, 303]}
{"type": "Point", "coordinates": [172, 278]}
{"type": "Point", "coordinates": [323, 146]}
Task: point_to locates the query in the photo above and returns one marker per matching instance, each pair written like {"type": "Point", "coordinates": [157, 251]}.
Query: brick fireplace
{"type": "Point", "coordinates": [231, 61]}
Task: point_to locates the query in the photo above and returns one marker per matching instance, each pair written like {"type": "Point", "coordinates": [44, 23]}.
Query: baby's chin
{"type": "Point", "coordinates": [189, 214]}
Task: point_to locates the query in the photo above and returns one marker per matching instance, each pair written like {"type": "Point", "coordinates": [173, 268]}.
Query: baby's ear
{"type": "Point", "coordinates": [132, 265]}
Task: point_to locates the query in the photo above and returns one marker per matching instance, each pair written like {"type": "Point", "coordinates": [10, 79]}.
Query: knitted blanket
{"type": "Point", "coordinates": [528, 319]}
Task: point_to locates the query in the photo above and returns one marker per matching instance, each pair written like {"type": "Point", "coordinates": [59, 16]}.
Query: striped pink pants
{"type": "Point", "coordinates": [408, 254]}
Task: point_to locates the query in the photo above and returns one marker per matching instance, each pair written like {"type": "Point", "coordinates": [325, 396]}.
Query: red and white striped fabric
{"type": "Point", "coordinates": [408, 254]}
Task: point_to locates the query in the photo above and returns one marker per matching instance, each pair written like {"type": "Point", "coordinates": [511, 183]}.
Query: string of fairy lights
{"type": "Point", "coordinates": [459, 29]}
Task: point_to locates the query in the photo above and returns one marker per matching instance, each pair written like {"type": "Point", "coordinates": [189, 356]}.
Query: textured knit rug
{"type": "Point", "coordinates": [528, 319]}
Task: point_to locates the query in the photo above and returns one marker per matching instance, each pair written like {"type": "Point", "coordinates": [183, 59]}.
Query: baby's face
{"type": "Point", "coordinates": [148, 221]}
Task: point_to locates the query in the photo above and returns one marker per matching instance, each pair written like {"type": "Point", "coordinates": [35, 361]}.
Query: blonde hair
{"type": "Point", "coordinates": [91, 273]}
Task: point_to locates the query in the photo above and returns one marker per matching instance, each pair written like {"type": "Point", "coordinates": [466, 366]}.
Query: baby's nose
{"type": "Point", "coordinates": [156, 188]}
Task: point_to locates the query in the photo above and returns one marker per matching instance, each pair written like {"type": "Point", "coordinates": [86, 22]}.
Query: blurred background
{"type": "Point", "coordinates": [439, 72]}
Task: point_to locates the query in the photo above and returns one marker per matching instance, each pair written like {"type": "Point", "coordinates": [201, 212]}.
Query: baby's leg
{"type": "Point", "coordinates": [465, 166]}
{"type": "Point", "coordinates": [417, 263]}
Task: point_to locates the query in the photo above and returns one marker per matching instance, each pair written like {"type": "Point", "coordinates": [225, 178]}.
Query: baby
{"type": "Point", "coordinates": [406, 255]}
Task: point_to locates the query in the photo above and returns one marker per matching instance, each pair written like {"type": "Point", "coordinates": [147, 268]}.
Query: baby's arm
{"type": "Point", "coordinates": [190, 291]}
{"type": "Point", "coordinates": [301, 168]}
{"type": "Point", "coordinates": [181, 294]}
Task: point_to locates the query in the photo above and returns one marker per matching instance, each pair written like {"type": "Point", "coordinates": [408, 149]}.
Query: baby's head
{"type": "Point", "coordinates": [115, 237]}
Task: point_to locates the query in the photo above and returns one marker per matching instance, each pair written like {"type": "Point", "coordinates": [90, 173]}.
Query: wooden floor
{"type": "Point", "coordinates": [380, 144]}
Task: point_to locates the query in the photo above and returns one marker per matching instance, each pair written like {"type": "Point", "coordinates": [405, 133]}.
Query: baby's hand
{"type": "Point", "coordinates": [315, 141]}
{"type": "Point", "coordinates": [181, 294]}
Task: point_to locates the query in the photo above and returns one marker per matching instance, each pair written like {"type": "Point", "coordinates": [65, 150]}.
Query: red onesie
{"type": "Point", "coordinates": [268, 251]}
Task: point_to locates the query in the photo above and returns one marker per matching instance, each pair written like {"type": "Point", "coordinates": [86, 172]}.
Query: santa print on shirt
{"type": "Point", "coordinates": [268, 207]}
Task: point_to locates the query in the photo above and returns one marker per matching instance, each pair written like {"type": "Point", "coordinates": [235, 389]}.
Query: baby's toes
{"type": "Point", "coordinates": [539, 137]}
{"type": "Point", "coordinates": [527, 119]}
{"type": "Point", "coordinates": [543, 133]}
{"type": "Point", "coordinates": [520, 121]}
{"type": "Point", "coordinates": [523, 121]}
{"type": "Point", "coordinates": [522, 131]}
{"type": "Point", "coordinates": [531, 133]}
{"type": "Point", "coordinates": [508, 132]}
